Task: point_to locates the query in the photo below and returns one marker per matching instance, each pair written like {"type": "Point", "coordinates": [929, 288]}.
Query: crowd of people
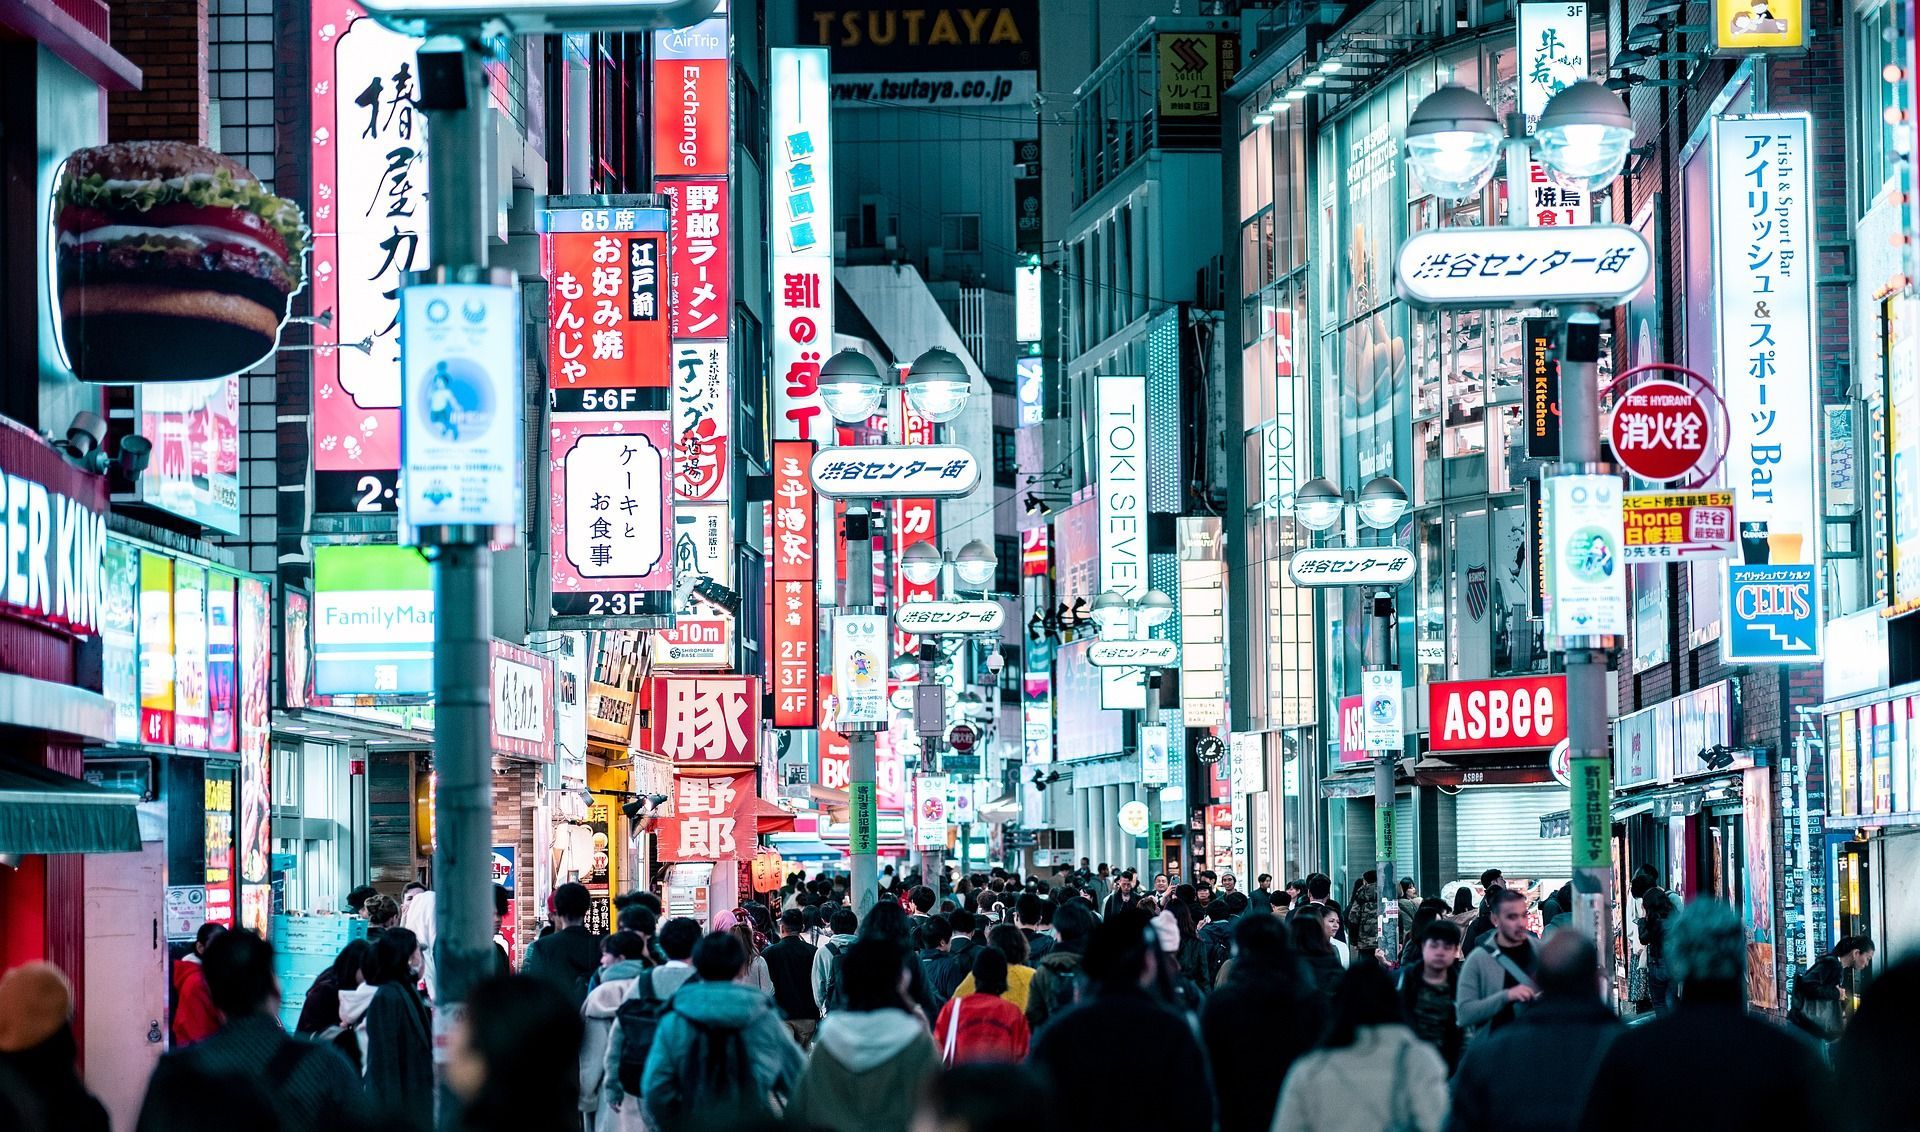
{"type": "Point", "coordinates": [997, 1003]}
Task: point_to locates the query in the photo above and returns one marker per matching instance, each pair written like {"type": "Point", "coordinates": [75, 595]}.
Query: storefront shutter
{"type": "Point", "coordinates": [1360, 838]}
{"type": "Point", "coordinates": [1498, 827]}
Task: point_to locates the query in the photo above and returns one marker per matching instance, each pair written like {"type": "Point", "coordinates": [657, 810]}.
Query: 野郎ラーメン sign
{"type": "Point", "coordinates": [1675, 526]}
{"type": "Point", "coordinates": [895, 471]}
{"type": "Point", "coordinates": [1765, 267]}
{"type": "Point", "coordinates": [949, 616]}
{"type": "Point", "coordinates": [373, 615]}
{"type": "Point", "coordinates": [1351, 566]}
{"type": "Point", "coordinates": [706, 722]}
{"type": "Point", "coordinates": [1442, 268]}
{"type": "Point", "coordinates": [606, 299]}
{"type": "Point", "coordinates": [1553, 43]}
{"type": "Point", "coordinates": [369, 218]}
{"type": "Point", "coordinates": [1586, 575]}
{"type": "Point", "coordinates": [712, 818]}
{"type": "Point", "coordinates": [701, 285]}
{"type": "Point", "coordinates": [800, 196]}
{"type": "Point", "coordinates": [1517, 713]}
{"type": "Point", "coordinates": [608, 513]}
{"type": "Point", "coordinates": [460, 400]}
{"type": "Point", "coordinates": [522, 703]}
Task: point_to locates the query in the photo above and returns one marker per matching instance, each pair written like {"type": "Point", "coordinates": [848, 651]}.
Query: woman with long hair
{"type": "Point", "coordinates": [1191, 957]}
{"type": "Point", "coordinates": [397, 1049]}
{"type": "Point", "coordinates": [988, 1026]}
{"type": "Point", "coordinates": [1307, 929]}
{"type": "Point", "coordinates": [1370, 1071]}
{"type": "Point", "coordinates": [755, 973]}
{"type": "Point", "coordinates": [513, 1055]}
{"type": "Point", "coordinates": [1264, 1014]}
{"type": "Point", "coordinates": [887, 920]}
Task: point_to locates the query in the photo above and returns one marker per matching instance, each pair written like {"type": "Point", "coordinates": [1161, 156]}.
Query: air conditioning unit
{"type": "Point", "coordinates": [893, 243]}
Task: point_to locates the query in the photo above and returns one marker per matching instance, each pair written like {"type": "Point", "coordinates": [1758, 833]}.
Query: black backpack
{"type": "Point", "coordinates": [720, 1084]}
{"type": "Point", "coordinates": [835, 999]}
{"type": "Point", "coordinates": [639, 1020]}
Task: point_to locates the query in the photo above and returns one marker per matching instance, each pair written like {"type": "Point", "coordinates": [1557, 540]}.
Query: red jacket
{"type": "Point", "coordinates": [194, 1015]}
{"type": "Point", "coordinates": [990, 1029]}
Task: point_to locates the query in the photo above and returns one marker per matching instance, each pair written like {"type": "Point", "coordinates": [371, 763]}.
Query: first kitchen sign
{"type": "Point", "coordinates": [1521, 713]}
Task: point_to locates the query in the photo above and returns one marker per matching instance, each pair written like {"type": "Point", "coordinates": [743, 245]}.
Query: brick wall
{"type": "Point", "coordinates": [167, 40]}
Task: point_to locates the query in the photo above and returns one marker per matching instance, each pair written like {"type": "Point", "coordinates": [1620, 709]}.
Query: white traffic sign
{"type": "Point", "coordinates": [936, 617]}
{"type": "Point", "coordinates": [1134, 654]}
{"type": "Point", "coordinates": [1135, 819]}
{"type": "Point", "coordinates": [528, 17]}
{"type": "Point", "coordinates": [1522, 267]}
{"type": "Point", "coordinates": [1352, 566]}
{"type": "Point", "coordinates": [895, 471]}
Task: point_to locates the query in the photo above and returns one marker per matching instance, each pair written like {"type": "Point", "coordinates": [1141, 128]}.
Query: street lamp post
{"type": "Point", "coordinates": [1583, 138]}
{"type": "Point", "coordinates": [1381, 504]}
{"type": "Point", "coordinates": [937, 387]}
{"type": "Point", "coordinates": [1119, 617]}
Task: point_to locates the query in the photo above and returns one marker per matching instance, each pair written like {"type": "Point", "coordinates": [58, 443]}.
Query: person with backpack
{"type": "Point", "coordinates": [569, 957]}
{"type": "Point", "coordinates": [988, 1026]}
{"type": "Point", "coordinates": [790, 964]}
{"type": "Point", "coordinates": [1820, 992]}
{"type": "Point", "coordinates": [622, 960]}
{"type": "Point", "coordinates": [1058, 981]}
{"type": "Point", "coordinates": [1496, 982]}
{"type": "Point", "coordinates": [844, 926]}
{"type": "Point", "coordinates": [722, 1053]}
{"type": "Point", "coordinates": [636, 1022]}
{"type": "Point", "coordinates": [1263, 1015]}
{"type": "Point", "coordinates": [948, 968]}
{"type": "Point", "coordinates": [872, 1057]}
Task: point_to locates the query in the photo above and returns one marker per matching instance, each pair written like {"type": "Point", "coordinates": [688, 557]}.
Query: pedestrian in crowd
{"type": "Point", "coordinates": [39, 1074]}
{"type": "Point", "coordinates": [1308, 929]}
{"type": "Point", "coordinates": [1191, 957]}
{"type": "Point", "coordinates": [890, 922]}
{"type": "Point", "coordinates": [1058, 980]}
{"type": "Point", "coordinates": [1331, 919]}
{"type": "Point", "coordinates": [1364, 911]}
{"type": "Point", "coordinates": [321, 1009]}
{"type": "Point", "coordinates": [569, 957]}
{"type": "Point", "coordinates": [989, 1025]}
{"type": "Point", "coordinates": [1496, 983]}
{"type": "Point", "coordinates": [1491, 882]}
{"type": "Point", "coordinates": [1781, 1078]}
{"type": "Point", "coordinates": [383, 914]}
{"type": "Point", "coordinates": [1295, 890]}
{"type": "Point", "coordinates": [397, 1032]}
{"type": "Point", "coordinates": [1464, 909]}
{"type": "Point", "coordinates": [1012, 945]}
{"type": "Point", "coordinates": [1657, 911]}
{"type": "Point", "coordinates": [512, 1057]}
{"type": "Point", "coordinates": [945, 971]}
{"type": "Point", "coordinates": [1880, 1047]}
{"type": "Point", "coordinates": [1216, 935]}
{"type": "Point", "coordinates": [417, 916]}
{"type": "Point", "coordinates": [635, 1022]}
{"type": "Point", "coordinates": [1031, 915]}
{"type": "Point", "coordinates": [845, 927]}
{"type": "Point", "coordinates": [1371, 1072]}
{"type": "Point", "coordinates": [872, 1057]}
{"type": "Point", "coordinates": [1820, 992]}
{"type": "Point", "coordinates": [1555, 1047]}
{"type": "Point", "coordinates": [1429, 988]}
{"type": "Point", "coordinates": [1106, 1050]}
{"type": "Point", "coordinates": [1320, 891]}
{"type": "Point", "coordinates": [502, 904]}
{"type": "Point", "coordinates": [987, 1097]}
{"type": "Point", "coordinates": [1409, 905]}
{"type": "Point", "coordinates": [755, 973]}
{"type": "Point", "coordinates": [790, 964]}
{"type": "Point", "coordinates": [1125, 897]}
{"type": "Point", "coordinates": [1261, 1017]}
{"type": "Point", "coordinates": [357, 899]}
{"type": "Point", "coordinates": [1428, 911]}
{"type": "Point", "coordinates": [309, 1085]}
{"type": "Point", "coordinates": [721, 1051]}
{"type": "Point", "coordinates": [622, 960]}
{"type": "Point", "coordinates": [194, 1017]}
{"type": "Point", "coordinates": [1102, 883]}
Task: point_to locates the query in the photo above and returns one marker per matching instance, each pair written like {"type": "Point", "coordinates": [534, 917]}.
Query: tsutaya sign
{"type": "Point", "coordinates": [937, 617]}
{"type": "Point", "coordinates": [895, 471]}
{"type": "Point", "coordinates": [1501, 267]}
{"type": "Point", "coordinates": [1134, 654]}
{"type": "Point", "coordinates": [1352, 566]}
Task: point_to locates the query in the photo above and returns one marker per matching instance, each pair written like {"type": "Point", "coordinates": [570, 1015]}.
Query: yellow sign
{"type": "Point", "coordinates": [1672, 526]}
{"type": "Point", "coordinates": [1195, 67]}
{"type": "Point", "coordinates": [1759, 25]}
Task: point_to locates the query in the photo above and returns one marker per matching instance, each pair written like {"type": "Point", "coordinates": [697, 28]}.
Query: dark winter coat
{"type": "Point", "coordinates": [1255, 1025]}
{"type": "Point", "coordinates": [1325, 972]}
{"type": "Point", "coordinates": [790, 963]}
{"type": "Point", "coordinates": [44, 1086]}
{"type": "Point", "coordinates": [1778, 1077]}
{"type": "Point", "coordinates": [311, 1087]}
{"type": "Point", "coordinates": [399, 1061]}
{"type": "Point", "coordinates": [1038, 944]}
{"type": "Point", "coordinates": [1454, 1042]}
{"type": "Point", "coordinates": [946, 970]}
{"type": "Point", "coordinates": [1107, 1051]}
{"type": "Point", "coordinates": [322, 1006]}
{"type": "Point", "coordinates": [568, 959]}
{"type": "Point", "coordinates": [1555, 1048]}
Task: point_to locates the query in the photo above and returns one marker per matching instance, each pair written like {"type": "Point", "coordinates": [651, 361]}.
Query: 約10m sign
{"type": "Point", "coordinates": [1520, 713]}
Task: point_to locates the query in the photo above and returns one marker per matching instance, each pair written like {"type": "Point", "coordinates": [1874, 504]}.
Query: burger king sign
{"type": "Point", "coordinates": [1521, 713]}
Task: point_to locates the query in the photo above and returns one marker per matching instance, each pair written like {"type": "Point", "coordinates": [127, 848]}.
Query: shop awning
{"type": "Point", "coordinates": [1002, 809]}
{"type": "Point", "coordinates": [44, 811]}
{"type": "Point", "coordinates": [770, 818]}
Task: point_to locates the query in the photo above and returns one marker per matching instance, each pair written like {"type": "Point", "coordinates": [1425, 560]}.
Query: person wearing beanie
{"type": "Point", "coordinates": [38, 1052]}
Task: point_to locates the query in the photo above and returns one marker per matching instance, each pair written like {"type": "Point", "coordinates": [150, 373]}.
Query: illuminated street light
{"type": "Point", "coordinates": [920, 563]}
{"type": "Point", "coordinates": [1453, 142]}
{"type": "Point", "coordinates": [1383, 502]}
{"type": "Point", "coordinates": [976, 563]}
{"type": "Point", "coordinates": [1317, 504]}
{"type": "Point", "coordinates": [938, 385]}
{"type": "Point", "coordinates": [1584, 135]}
{"type": "Point", "coordinates": [851, 386]}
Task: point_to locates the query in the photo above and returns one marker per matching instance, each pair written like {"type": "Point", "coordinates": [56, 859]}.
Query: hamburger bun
{"type": "Point", "coordinates": [115, 331]}
{"type": "Point", "coordinates": [153, 161]}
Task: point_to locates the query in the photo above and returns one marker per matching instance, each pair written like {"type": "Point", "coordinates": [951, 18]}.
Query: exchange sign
{"type": "Point", "coordinates": [1660, 431]}
{"type": "Point", "coordinates": [1134, 654]}
{"type": "Point", "coordinates": [1506, 267]}
{"type": "Point", "coordinates": [1676, 526]}
{"type": "Point", "coordinates": [1352, 566]}
{"type": "Point", "coordinates": [895, 471]}
{"type": "Point", "coordinates": [949, 617]}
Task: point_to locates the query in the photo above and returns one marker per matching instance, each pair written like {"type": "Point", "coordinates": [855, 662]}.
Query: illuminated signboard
{"type": "Point", "coordinates": [195, 429]}
{"type": "Point", "coordinates": [372, 621]}
{"type": "Point", "coordinates": [156, 649]}
{"type": "Point", "coordinates": [800, 198]}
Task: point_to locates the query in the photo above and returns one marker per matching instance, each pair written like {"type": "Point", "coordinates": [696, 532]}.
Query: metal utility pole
{"type": "Point", "coordinates": [453, 94]}
{"type": "Point", "coordinates": [1381, 657]}
{"type": "Point", "coordinates": [1587, 675]}
{"type": "Point", "coordinates": [863, 817]}
{"type": "Point", "coordinates": [1156, 839]}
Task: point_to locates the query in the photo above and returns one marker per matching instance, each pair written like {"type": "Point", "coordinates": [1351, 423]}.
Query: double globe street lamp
{"type": "Point", "coordinates": [1119, 617]}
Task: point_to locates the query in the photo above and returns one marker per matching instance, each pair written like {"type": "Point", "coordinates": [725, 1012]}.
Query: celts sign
{"type": "Point", "coordinates": [1441, 268]}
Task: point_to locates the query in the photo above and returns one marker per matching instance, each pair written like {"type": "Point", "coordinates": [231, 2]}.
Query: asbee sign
{"type": "Point", "coordinates": [937, 617]}
{"type": "Point", "coordinates": [1134, 654]}
{"type": "Point", "coordinates": [1352, 566]}
{"type": "Point", "coordinates": [1521, 713]}
{"type": "Point", "coordinates": [1443, 268]}
{"type": "Point", "coordinates": [895, 471]}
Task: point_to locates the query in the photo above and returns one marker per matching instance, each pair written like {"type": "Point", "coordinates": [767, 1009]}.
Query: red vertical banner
{"type": "Point", "coordinates": [701, 294]}
{"type": "Point", "coordinates": [914, 521]}
{"type": "Point", "coordinates": [607, 328]}
{"type": "Point", "coordinates": [793, 553]}
{"type": "Point", "coordinates": [712, 818]}
{"type": "Point", "coordinates": [690, 118]}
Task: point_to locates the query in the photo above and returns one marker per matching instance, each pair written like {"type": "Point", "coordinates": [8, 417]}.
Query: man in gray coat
{"type": "Point", "coordinates": [1496, 982]}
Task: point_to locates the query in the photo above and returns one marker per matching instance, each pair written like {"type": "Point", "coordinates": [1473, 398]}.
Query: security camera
{"type": "Point", "coordinates": [995, 662]}
{"type": "Point", "coordinates": [136, 452]}
{"type": "Point", "coordinates": [86, 433]}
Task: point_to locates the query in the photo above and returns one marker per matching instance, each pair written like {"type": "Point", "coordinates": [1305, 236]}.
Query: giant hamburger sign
{"type": "Point", "coordinates": [171, 263]}
{"type": "Point", "coordinates": [1521, 713]}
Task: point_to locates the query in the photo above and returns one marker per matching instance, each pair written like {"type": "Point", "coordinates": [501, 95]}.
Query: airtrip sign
{"type": "Point", "coordinates": [1521, 713]}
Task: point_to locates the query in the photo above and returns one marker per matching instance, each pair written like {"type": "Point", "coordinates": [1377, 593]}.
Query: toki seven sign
{"type": "Point", "coordinates": [936, 617]}
{"type": "Point", "coordinates": [1443, 268]}
{"type": "Point", "coordinates": [895, 471]}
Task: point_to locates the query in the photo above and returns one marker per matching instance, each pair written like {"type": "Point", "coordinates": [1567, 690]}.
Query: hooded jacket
{"type": "Point", "coordinates": [945, 971]}
{"type": "Point", "coordinates": [194, 1015]}
{"type": "Point", "coordinates": [1555, 1047]}
{"type": "Point", "coordinates": [665, 980]}
{"type": "Point", "coordinates": [603, 1003]}
{"type": "Point", "coordinates": [669, 1083]}
{"type": "Point", "coordinates": [353, 1003]}
{"type": "Point", "coordinates": [398, 1054]}
{"type": "Point", "coordinates": [1386, 1079]}
{"type": "Point", "coordinates": [823, 967]}
{"type": "Point", "coordinates": [866, 1073]}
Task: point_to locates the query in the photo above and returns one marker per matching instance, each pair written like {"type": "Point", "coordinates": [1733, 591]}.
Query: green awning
{"type": "Point", "coordinates": [44, 811]}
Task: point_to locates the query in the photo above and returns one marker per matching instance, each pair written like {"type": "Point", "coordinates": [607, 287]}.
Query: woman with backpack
{"type": "Point", "coordinates": [988, 1026]}
{"type": "Point", "coordinates": [622, 962]}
